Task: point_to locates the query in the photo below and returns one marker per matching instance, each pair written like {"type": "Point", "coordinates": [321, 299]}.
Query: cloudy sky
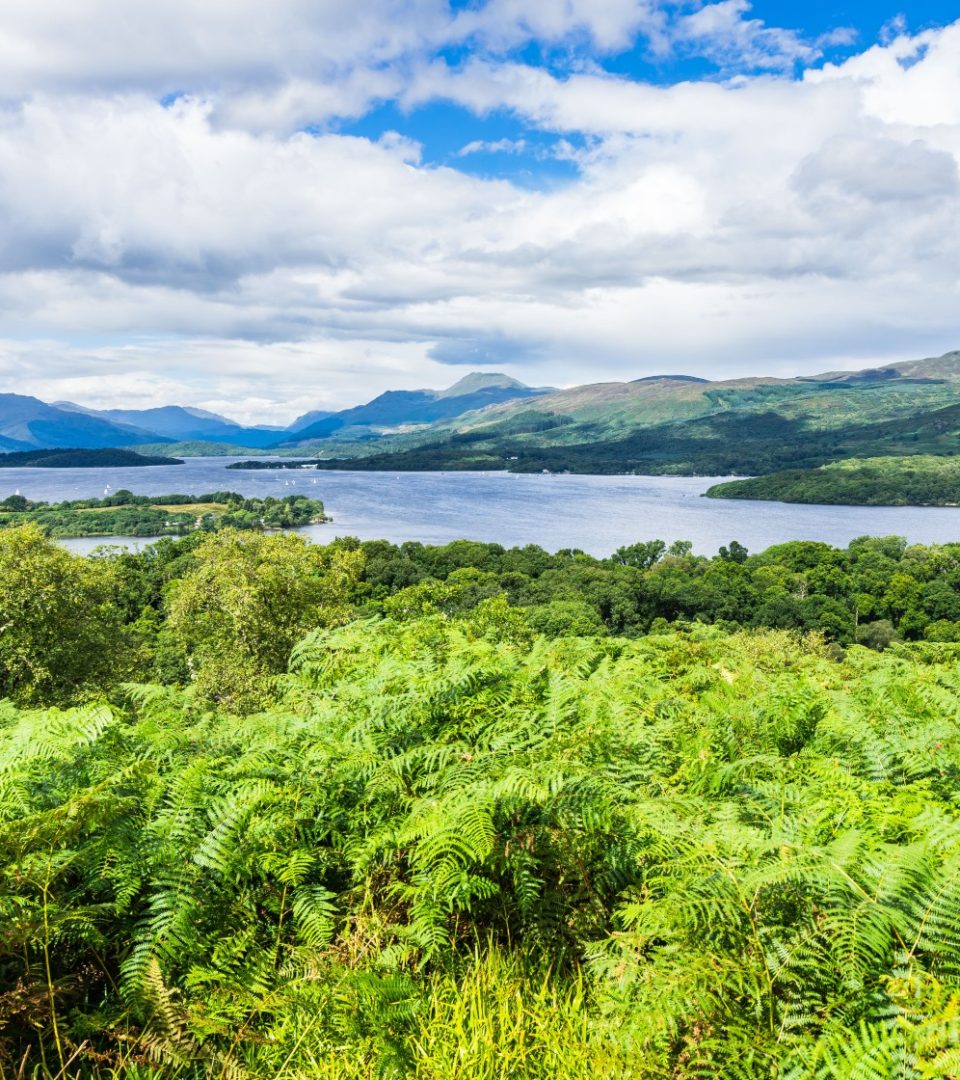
{"type": "Point", "coordinates": [263, 206]}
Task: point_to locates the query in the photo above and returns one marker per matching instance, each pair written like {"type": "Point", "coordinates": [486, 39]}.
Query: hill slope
{"type": "Point", "coordinates": [673, 424]}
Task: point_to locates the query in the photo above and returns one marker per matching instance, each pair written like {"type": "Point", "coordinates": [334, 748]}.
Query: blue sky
{"type": "Point", "coordinates": [527, 155]}
{"type": "Point", "coordinates": [263, 208]}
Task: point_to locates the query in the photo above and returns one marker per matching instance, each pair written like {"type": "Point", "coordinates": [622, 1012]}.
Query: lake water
{"type": "Point", "coordinates": [594, 513]}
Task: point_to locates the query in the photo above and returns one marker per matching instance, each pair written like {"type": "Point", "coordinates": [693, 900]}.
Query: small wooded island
{"type": "Point", "coordinates": [259, 463]}
{"type": "Point", "coordinates": [920, 480]}
{"type": "Point", "coordinates": [111, 458]}
{"type": "Point", "coordinates": [126, 514]}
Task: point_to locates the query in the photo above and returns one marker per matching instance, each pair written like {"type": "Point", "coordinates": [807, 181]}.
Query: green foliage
{"type": "Point", "coordinates": [450, 849]}
{"type": "Point", "coordinates": [61, 630]}
{"type": "Point", "coordinates": [374, 810]}
{"type": "Point", "coordinates": [875, 592]}
{"type": "Point", "coordinates": [245, 601]}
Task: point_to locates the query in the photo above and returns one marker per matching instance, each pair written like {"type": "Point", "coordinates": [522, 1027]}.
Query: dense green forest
{"type": "Point", "coordinates": [274, 809]}
{"type": "Point", "coordinates": [126, 514]}
{"type": "Point", "coordinates": [923, 480]}
{"type": "Point", "coordinates": [113, 458]}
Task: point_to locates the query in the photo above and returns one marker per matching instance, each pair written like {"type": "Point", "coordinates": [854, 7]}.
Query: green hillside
{"type": "Point", "coordinates": [672, 425]}
{"type": "Point", "coordinates": [922, 480]}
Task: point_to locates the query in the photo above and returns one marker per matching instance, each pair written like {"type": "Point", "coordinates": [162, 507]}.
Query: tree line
{"type": "Point", "coordinates": [226, 607]}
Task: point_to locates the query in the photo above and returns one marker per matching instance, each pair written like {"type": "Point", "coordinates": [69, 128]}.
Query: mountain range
{"type": "Point", "coordinates": [26, 423]}
{"type": "Point", "coordinates": [656, 424]}
{"type": "Point", "coordinates": [684, 425]}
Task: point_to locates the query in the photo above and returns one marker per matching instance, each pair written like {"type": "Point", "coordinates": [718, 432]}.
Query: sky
{"type": "Point", "coordinates": [261, 208]}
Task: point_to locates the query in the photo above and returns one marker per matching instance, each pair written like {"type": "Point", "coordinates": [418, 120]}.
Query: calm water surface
{"type": "Point", "coordinates": [594, 513]}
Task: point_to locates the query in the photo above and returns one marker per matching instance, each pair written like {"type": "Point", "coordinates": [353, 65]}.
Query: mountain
{"type": "Point", "coordinates": [399, 408]}
{"type": "Point", "coordinates": [682, 425]}
{"type": "Point", "coordinates": [183, 424]}
{"type": "Point", "coordinates": [309, 418]}
{"type": "Point", "coordinates": [656, 424]}
{"type": "Point", "coordinates": [478, 382]}
{"type": "Point", "coordinates": [26, 423]}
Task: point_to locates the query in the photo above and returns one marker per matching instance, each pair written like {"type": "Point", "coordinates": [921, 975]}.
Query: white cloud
{"type": "Point", "coordinates": [609, 24]}
{"type": "Point", "coordinates": [289, 63]}
{"type": "Point", "coordinates": [203, 252]}
{"type": "Point", "coordinates": [723, 32]}
{"type": "Point", "coordinates": [494, 146]}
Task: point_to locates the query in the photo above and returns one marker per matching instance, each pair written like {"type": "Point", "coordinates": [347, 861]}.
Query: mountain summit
{"type": "Point", "coordinates": [479, 381]}
{"type": "Point", "coordinates": [401, 408]}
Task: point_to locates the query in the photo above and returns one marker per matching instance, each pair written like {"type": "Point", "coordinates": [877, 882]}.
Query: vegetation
{"type": "Point", "coordinates": [675, 425]}
{"type": "Point", "coordinates": [273, 809]}
{"type": "Point", "coordinates": [259, 463]}
{"type": "Point", "coordinates": [115, 458]}
{"type": "Point", "coordinates": [922, 480]}
{"type": "Point", "coordinates": [190, 448]}
{"type": "Point", "coordinates": [715, 445]}
{"type": "Point", "coordinates": [126, 514]}
{"type": "Point", "coordinates": [166, 613]}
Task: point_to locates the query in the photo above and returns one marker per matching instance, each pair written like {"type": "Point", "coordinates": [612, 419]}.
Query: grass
{"type": "Point", "coordinates": [198, 508]}
{"type": "Point", "coordinates": [181, 508]}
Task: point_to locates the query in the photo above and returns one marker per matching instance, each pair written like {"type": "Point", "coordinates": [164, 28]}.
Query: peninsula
{"type": "Point", "coordinates": [919, 480]}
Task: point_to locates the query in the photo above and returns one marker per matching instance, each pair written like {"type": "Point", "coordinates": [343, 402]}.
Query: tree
{"type": "Point", "coordinates": [642, 555]}
{"type": "Point", "coordinates": [61, 632]}
{"type": "Point", "coordinates": [876, 635]}
{"type": "Point", "coordinates": [736, 552]}
{"type": "Point", "coordinates": [566, 618]}
{"type": "Point", "coordinates": [248, 598]}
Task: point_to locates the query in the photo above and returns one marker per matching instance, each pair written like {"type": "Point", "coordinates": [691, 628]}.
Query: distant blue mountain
{"type": "Point", "coordinates": [309, 418]}
{"type": "Point", "coordinates": [396, 408]}
{"type": "Point", "coordinates": [26, 423]}
{"type": "Point", "coordinates": [182, 424]}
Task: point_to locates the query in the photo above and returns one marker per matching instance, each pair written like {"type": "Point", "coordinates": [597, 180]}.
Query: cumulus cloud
{"type": "Point", "coordinates": [201, 248]}
{"type": "Point", "coordinates": [879, 170]}
{"type": "Point", "coordinates": [724, 33]}
{"type": "Point", "coordinates": [290, 63]}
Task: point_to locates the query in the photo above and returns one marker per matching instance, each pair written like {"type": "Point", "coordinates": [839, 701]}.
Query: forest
{"type": "Point", "coordinates": [921, 480]}
{"type": "Point", "coordinates": [273, 809]}
{"type": "Point", "coordinates": [126, 514]}
{"type": "Point", "coordinates": [113, 458]}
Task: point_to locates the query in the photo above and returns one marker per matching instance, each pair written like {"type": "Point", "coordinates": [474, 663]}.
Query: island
{"type": "Point", "coordinates": [918, 480]}
{"type": "Point", "coordinates": [112, 458]}
{"type": "Point", "coordinates": [126, 514]}
{"type": "Point", "coordinates": [259, 463]}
